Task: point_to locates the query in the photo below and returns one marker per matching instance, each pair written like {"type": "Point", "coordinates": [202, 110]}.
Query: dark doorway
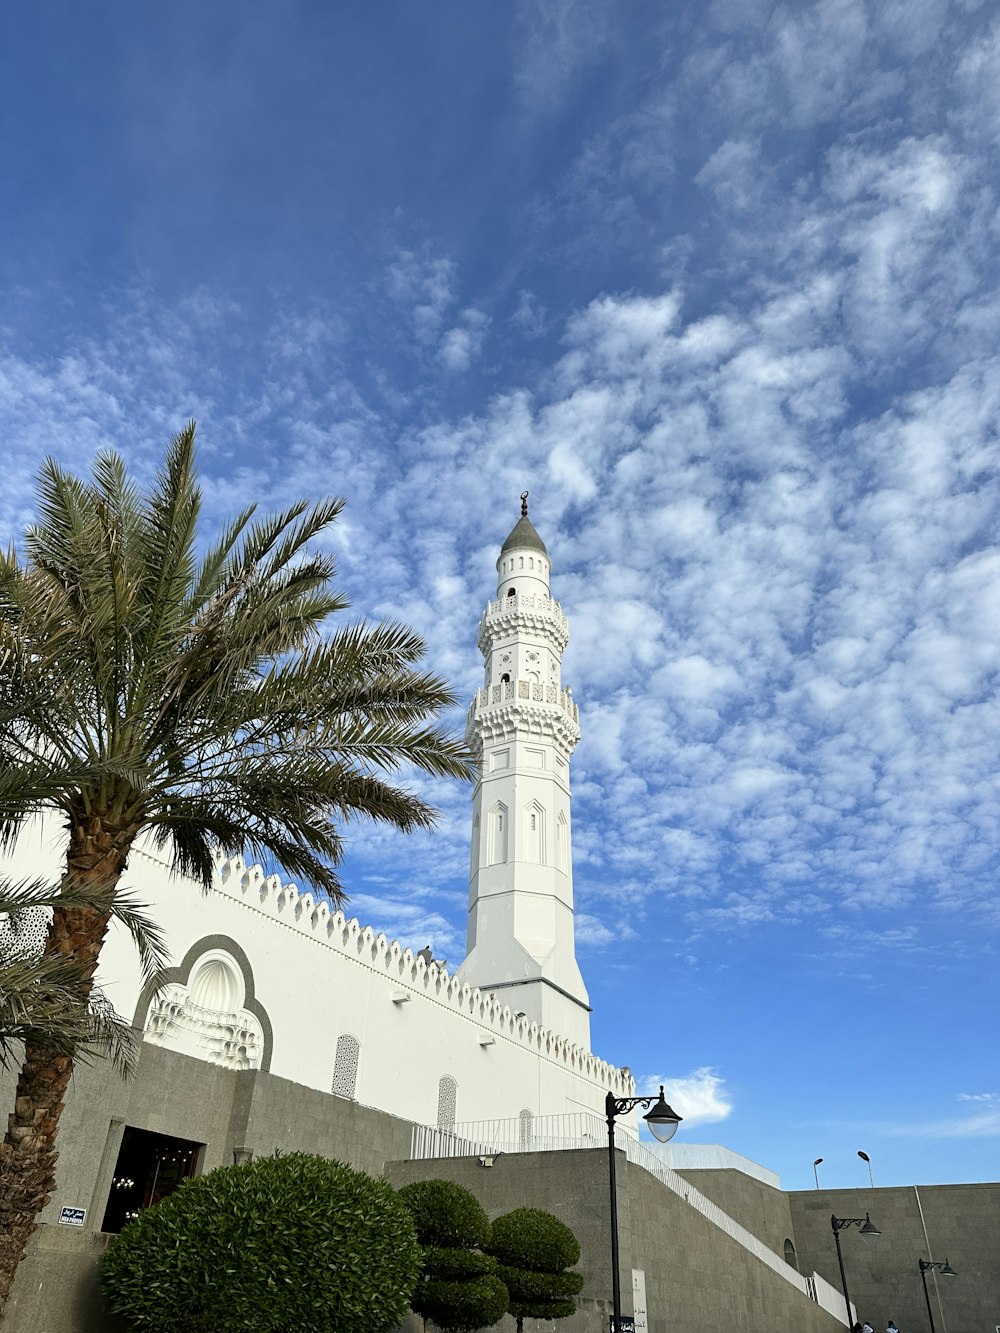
{"type": "Point", "coordinates": [149, 1167]}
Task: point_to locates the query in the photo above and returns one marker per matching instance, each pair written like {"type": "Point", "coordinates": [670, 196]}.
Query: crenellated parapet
{"type": "Point", "coordinates": [408, 975]}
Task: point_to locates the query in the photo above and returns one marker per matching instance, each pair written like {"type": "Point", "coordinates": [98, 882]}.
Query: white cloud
{"type": "Point", "coordinates": [461, 345]}
{"type": "Point", "coordinates": [700, 1097]}
{"type": "Point", "coordinates": [426, 286]}
{"type": "Point", "coordinates": [983, 1125]}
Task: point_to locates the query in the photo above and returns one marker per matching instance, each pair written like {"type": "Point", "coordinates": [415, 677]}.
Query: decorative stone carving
{"type": "Point", "coordinates": [205, 1018]}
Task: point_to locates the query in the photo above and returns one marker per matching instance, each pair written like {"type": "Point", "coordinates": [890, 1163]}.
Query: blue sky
{"type": "Point", "coordinates": [718, 283]}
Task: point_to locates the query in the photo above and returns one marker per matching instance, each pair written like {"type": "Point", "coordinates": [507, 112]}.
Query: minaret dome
{"type": "Point", "coordinates": [523, 565]}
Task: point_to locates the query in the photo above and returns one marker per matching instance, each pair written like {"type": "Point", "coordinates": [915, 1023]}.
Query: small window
{"type": "Point", "coordinates": [499, 823]}
{"type": "Point", "coordinates": [511, 592]}
{"type": "Point", "coordinates": [521, 561]}
{"type": "Point", "coordinates": [524, 1127]}
{"type": "Point", "coordinates": [447, 1102]}
{"type": "Point", "coordinates": [531, 562]}
{"type": "Point", "coordinates": [790, 1257]}
{"type": "Point", "coordinates": [345, 1066]}
{"type": "Point", "coordinates": [534, 822]}
{"type": "Point", "coordinates": [505, 678]}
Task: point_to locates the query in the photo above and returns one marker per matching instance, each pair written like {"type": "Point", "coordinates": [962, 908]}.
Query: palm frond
{"type": "Point", "coordinates": [19, 896]}
{"type": "Point", "coordinates": [49, 1001]}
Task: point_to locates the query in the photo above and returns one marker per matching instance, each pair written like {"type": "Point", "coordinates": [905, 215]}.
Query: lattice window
{"type": "Point", "coordinates": [447, 1102]}
{"type": "Point", "coordinates": [345, 1066]}
{"type": "Point", "coordinates": [22, 934]}
{"type": "Point", "coordinates": [524, 1122]}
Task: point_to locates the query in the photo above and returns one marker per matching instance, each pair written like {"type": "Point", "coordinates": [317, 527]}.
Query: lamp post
{"type": "Point", "coordinates": [868, 1162]}
{"type": "Point", "coordinates": [663, 1123]}
{"type": "Point", "coordinates": [818, 1162]}
{"type": "Point", "coordinates": [867, 1228]}
{"type": "Point", "coordinates": [945, 1269]}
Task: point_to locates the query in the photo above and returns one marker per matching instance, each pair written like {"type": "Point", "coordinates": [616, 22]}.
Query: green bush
{"type": "Point", "coordinates": [526, 1285]}
{"type": "Point", "coordinates": [533, 1238]}
{"type": "Point", "coordinates": [292, 1242]}
{"type": "Point", "coordinates": [534, 1249]}
{"type": "Point", "coordinates": [457, 1263]}
{"type": "Point", "coordinates": [446, 1214]}
{"type": "Point", "coordinates": [461, 1307]}
{"type": "Point", "coordinates": [459, 1290]}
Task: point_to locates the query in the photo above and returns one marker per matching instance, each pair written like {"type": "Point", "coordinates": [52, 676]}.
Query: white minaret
{"type": "Point", "coordinates": [523, 727]}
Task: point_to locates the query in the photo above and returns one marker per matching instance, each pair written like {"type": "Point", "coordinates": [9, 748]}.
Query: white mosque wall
{"type": "Point", "coordinates": [266, 976]}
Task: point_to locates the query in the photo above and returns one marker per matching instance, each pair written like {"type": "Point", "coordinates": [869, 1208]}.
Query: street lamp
{"type": "Point", "coordinates": [818, 1162]}
{"type": "Point", "coordinates": [868, 1162]}
{"type": "Point", "coordinates": [663, 1122]}
{"type": "Point", "coordinates": [945, 1269]}
{"type": "Point", "coordinates": [867, 1228]}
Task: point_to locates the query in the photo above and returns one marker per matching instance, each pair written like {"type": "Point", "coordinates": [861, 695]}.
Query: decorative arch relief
{"type": "Point", "coordinates": [534, 833]}
{"type": "Point", "coordinates": [499, 834]}
{"type": "Point", "coordinates": [205, 1017]}
{"type": "Point", "coordinates": [562, 842]}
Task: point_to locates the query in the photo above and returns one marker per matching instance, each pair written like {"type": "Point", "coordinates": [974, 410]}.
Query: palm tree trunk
{"type": "Point", "coordinates": [95, 861]}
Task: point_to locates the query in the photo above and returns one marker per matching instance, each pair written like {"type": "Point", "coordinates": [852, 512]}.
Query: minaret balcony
{"type": "Point", "coordinates": [524, 612]}
{"type": "Point", "coordinates": [497, 702]}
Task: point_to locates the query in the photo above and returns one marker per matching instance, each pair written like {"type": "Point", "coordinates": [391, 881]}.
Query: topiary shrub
{"type": "Point", "coordinates": [291, 1242]}
{"type": "Point", "coordinates": [446, 1214]}
{"type": "Point", "coordinates": [462, 1307]}
{"type": "Point", "coordinates": [459, 1291]}
{"type": "Point", "coordinates": [533, 1249]}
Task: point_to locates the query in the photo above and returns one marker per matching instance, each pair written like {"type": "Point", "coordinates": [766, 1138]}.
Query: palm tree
{"type": "Point", "coordinates": [197, 701]}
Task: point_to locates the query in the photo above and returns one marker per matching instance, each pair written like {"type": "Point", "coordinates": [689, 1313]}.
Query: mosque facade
{"type": "Point", "coordinates": [270, 978]}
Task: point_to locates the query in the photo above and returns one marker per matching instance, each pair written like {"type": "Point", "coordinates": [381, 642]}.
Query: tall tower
{"type": "Point", "coordinates": [523, 727]}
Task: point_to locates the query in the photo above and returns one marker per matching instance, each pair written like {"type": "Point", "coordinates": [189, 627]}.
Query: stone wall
{"type": "Point", "coordinates": [960, 1223]}
{"type": "Point", "coordinates": [698, 1275]}
{"type": "Point", "coordinates": [56, 1289]}
{"type": "Point", "coordinates": [697, 1278]}
{"type": "Point", "coordinates": [759, 1207]}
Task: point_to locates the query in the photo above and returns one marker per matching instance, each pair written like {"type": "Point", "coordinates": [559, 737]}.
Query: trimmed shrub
{"type": "Point", "coordinates": [526, 1285]}
{"type": "Point", "coordinates": [534, 1249]}
{"type": "Point", "coordinates": [533, 1238]}
{"type": "Point", "coordinates": [290, 1242]}
{"type": "Point", "coordinates": [458, 1263]}
{"type": "Point", "coordinates": [462, 1307]}
{"type": "Point", "coordinates": [446, 1214]}
{"type": "Point", "coordinates": [460, 1291]}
